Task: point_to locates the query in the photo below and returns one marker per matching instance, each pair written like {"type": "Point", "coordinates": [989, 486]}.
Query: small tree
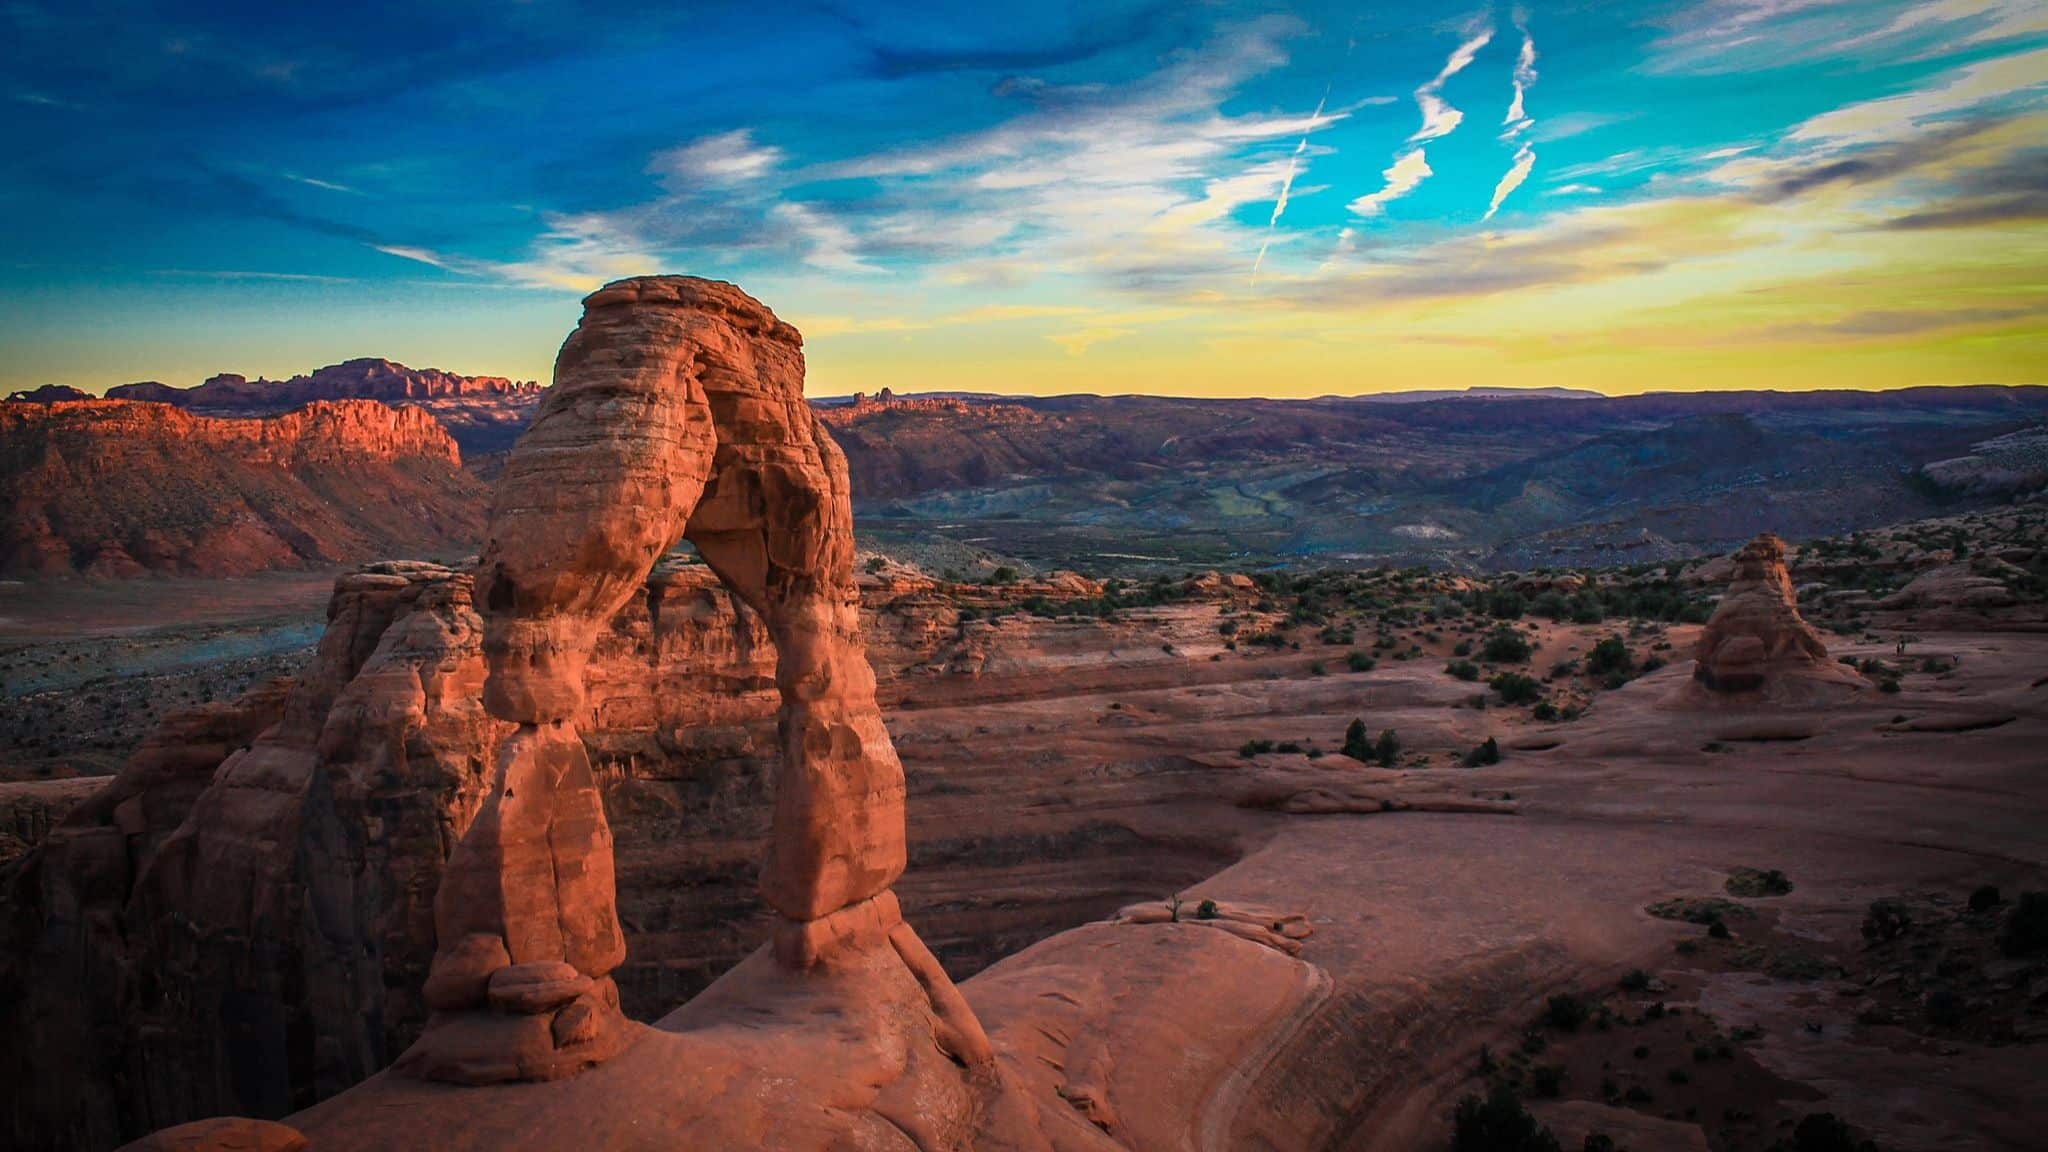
{"type": "Point", "coordinates": [1388, 749]}
{"type": "Point", "coordinates": [1358, 741]}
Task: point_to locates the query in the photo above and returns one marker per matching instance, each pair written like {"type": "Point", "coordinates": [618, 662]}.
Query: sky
{"type": "Point", "coordinates": [1216, 199]}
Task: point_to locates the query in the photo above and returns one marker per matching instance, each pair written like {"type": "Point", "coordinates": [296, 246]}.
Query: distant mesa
{"type": "Point", "coordinates": [48, 394]}
{"type": "Point", "coordinates": [367, 378]}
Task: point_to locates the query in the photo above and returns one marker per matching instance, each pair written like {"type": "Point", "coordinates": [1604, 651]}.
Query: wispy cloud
{"type": "Point", "coordinates": [1525, 159]}
{"type": "Point", "coordinates": [1407, 171]}
{"type": "Point", "coordinates": [324, 185]}
{"type": "Point", "coordinates": [1287, 183]}
{"type": "Point", "coordinates": [1517, 120]}
{"type": "Point", "coordinates": [1439, 119]}
{"type": "Point", "coordinates": [726, 159]}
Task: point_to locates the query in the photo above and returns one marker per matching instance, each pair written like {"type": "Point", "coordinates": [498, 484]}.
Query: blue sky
{"type": "Point", "coordinates": [1215, 198]}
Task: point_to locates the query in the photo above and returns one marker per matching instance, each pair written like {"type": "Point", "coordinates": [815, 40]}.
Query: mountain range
{"type": "Point", "coordinates": [1486, 478]}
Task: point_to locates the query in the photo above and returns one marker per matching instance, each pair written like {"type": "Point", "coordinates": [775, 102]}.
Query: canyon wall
{"type": "Point", "coordinates": [122, 488]}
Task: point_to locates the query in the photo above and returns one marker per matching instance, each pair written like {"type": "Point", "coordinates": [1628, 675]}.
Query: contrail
{"type": "Point", "coordinates": [1287, 181]}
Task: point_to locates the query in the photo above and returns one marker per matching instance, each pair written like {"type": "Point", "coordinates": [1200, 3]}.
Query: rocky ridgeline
{"type": "Point", "coordinates": [361, 379]}
{"type": "Point", "coordinates": [120, 488]}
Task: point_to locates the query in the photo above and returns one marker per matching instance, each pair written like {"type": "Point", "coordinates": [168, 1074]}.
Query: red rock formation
{"type": "Point", "coordinates": [116, 488]}
{"type": "Point", "coordinates": [243, 922]}
{"type": "Point", "coordinates": [1756, 636]}
{"type": "Point", "coordinates": [678, 412]}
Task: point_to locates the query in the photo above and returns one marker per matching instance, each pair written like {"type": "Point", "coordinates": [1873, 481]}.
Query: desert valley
{"type": "Point", "coordinates": [1254, 576]}
{"type": "Point", "coordinates": [1684, 848]}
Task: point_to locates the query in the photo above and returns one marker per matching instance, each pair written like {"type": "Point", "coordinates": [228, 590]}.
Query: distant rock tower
{"type": "Point", "coordinates": [1756, 636]}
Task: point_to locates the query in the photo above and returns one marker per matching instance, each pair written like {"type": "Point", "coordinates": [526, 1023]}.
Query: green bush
{"type": "Point", "coordinates": [1758, 882]}
{"type": "Point", "coordinates": [1609, 656]}
{"type": "Point", "coordinates": [1498, 1123]}
{"type": "Point", "coordinates": [1515, 688]}
{"type": "Point", "coordinates": [1358, 742]}
{"type": "Point", "coordinates": [1565, 1012]}
{"type": "Point", "coordinates": [1463, 669]}
{"type": "Point", "coordinates": [1486, 753]}
{"type": "Point", "coordinates": [1359, 661]}
{"type": "Point", "coordinates": [1387, 748]}
{"type": "Point", "coordinates": [1506, 646]}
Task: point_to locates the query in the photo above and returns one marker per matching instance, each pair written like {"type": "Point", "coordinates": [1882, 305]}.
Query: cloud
{"type": "Point", "coordinates": [724, 160]}
{"type": "Point", "coordinates": [416, 255]}
{"type": "Point", "coordinates": [1961, 90]}
{"type": "Point", "coordinates": [1517, 120]}
{"type": "Point", "coordinates": [1080, 341]}
{"type": "Point", "coordinates": [1887, 322]}
{"type": "Point", "coordinates": [1401, 178]}
{"type": "Point", "coordinates": [1439, 119]}
{"type": "Point", "coordinates": [325, 185]}
{"type": "Point", "coordinates": [1525, 159]}
{"type": "Point", "coordinates": [1287, 183]}
{"type": "Point", "coordinates": [828, 243]}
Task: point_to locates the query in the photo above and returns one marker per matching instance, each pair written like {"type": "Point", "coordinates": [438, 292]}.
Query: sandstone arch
{"type": "Point", "coordinates": [677, 412]}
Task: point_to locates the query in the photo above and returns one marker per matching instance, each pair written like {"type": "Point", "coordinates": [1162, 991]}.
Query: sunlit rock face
{"type": "Point", "coordinates": [1756, 636]}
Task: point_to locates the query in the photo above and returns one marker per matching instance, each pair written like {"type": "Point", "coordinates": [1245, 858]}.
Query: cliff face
{"type": "Point", "coordinates": [242, 921]}
{"type": "Point", "coordinates": [121, 488]}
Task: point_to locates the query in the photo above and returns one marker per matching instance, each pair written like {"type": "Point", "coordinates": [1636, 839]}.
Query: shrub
{"type": "Point", "coordinates": [1486, 753]}
{"type": "Point", "coordinates": [1609, 656]}
{"type": "Point", "coordinates": [1255, 748]}
{"type": "Point", "coordinates": [1565, 1012]}
{"type": "Point", "coordinates": [1823, 1132]}
{"type": "Point", "coordinates": [1888, 686]}
{"type": "Point", "coordinates": [1547, 1080]}
{"type": "Point", "coordinates": [1637, 980]}
{"type": "Point", "coordinates": [1003, 575]}
{"type": "Point", "coordinates": [2026, 926]}
{"type": "Point", "coordinates": [1515, 688]}
{"type": "Point", "coordinates": [1506, 646]}
{"type": "Point", "coordinates": [1359, 661]}
{"type": "Point", "coordinates": [1758, 882]}
{"type": "Point", "coordinates": [1886, 919]}
{"type": "Point", "coordinates": [1463, 669]}
{"type": "Point", "coordinates": [1206, 910]}
{"type": "Point", "coordinates": [1358, 742]}
{"type": "Point", "coordinates": [1544, 711]}
{"type": "Point", "coordinates": [1498, 1123]}
{"type": "Point", "coordinates": [1387, 748]}
{"type": "Point", "coordinates": [1506, 605]}
{"type": "Point", "coordinates": [1984, 899]}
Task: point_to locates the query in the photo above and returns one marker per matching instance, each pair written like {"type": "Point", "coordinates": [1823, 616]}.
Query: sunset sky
{"type": "Point", "coordinates": [1199, 199]}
